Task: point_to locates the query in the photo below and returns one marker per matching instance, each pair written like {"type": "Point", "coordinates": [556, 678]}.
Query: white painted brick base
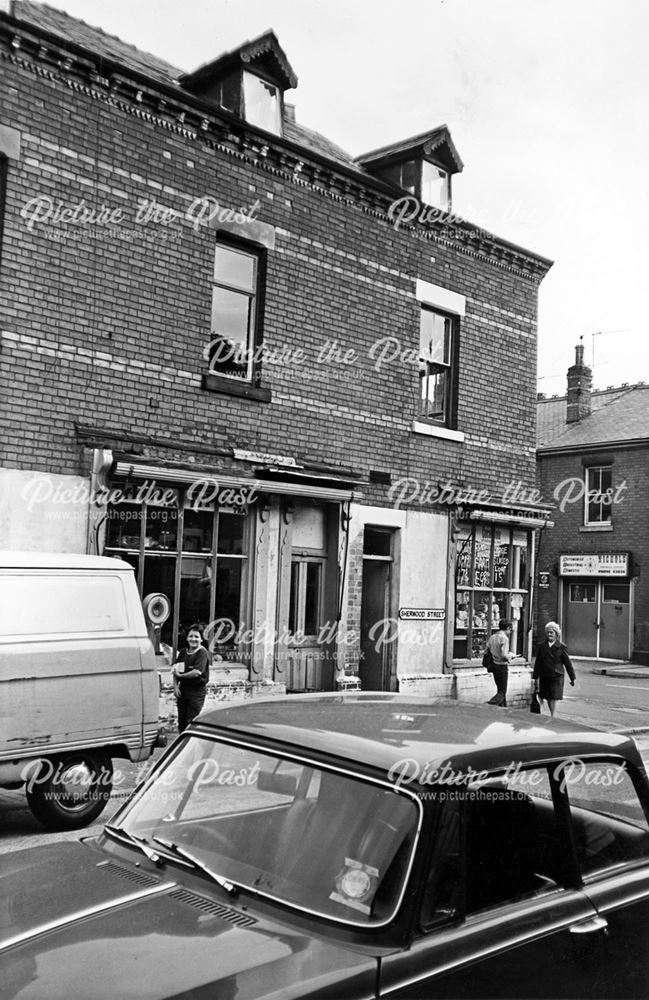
{"type": "Point", "coordinates": [473, 686]}
{"type": "Point", "coordinates": [217, 695]}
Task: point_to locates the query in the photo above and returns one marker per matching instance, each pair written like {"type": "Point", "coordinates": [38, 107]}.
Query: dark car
{"type": "Point", "coordinates": [356, 846]}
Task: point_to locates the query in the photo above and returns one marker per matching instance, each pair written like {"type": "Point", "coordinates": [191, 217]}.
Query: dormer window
{"type": "Point", "coordinates": [435, 186]}
{"type": "Point", "coordinates": [249, 82]}
{"type": "Point", "coordinates": [427, 181]}
{"type": "Point", "coordinates": [422, 166]}
{"type": "Point", "coordinates": [261, 103]}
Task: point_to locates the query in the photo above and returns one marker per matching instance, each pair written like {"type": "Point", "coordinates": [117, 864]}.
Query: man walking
{"type": "Point", "coordinates": [498, 646]}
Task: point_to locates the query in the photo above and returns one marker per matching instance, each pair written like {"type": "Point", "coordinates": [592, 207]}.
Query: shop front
{"type": "Point", "coordinates": [493, 557]}
{"type": "Point", "coordinates": [596, 598]}
{"type": "Point", "coordinates": [254, 562]}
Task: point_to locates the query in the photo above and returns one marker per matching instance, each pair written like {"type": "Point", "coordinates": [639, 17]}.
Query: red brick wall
{"type": "Point", "coordinates": [629, 522]}
{"type": "Point", "coordinates": [109, 332]}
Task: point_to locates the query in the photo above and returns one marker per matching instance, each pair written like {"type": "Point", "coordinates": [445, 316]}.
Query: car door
{"type": "Point", "coordinates": [611, 836]}
{"type": "Point", "coordinates": [502, 913]}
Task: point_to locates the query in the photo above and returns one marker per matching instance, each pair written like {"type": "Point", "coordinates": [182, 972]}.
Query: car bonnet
{"type": "Point", "coordinates": [76, 924]}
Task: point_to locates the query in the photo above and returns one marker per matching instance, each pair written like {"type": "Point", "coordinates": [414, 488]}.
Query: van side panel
{"type": "Point", "coordinates": [76, 667]}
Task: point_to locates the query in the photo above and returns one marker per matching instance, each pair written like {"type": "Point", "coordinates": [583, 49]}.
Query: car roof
{"type": "Point", "coordinates": [380, 730]}
{"type": "Point", "coordinates": [56, 560]}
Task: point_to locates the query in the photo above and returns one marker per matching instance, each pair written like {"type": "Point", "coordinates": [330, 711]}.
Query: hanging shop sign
{"type": "Point", "coordinates": [422, 614]}
{"type": "Point", "coordinates": [595, 564]}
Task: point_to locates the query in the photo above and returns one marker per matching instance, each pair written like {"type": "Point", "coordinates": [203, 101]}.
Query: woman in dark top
{"type": "Point", "coordinates": [191, 674]}
{"type": "Point", "coordinates": [551, 659]}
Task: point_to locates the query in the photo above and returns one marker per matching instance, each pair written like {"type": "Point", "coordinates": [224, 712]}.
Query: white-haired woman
{"type": "Point", "coordinates": [551, 662]}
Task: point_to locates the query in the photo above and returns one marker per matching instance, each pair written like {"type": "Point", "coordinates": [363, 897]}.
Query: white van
{"type": "Point", "coordinates": [78, 681]}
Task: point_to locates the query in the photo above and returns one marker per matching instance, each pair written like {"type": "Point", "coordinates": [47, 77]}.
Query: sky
{"type": "Point", "coordinates": [546, 101]}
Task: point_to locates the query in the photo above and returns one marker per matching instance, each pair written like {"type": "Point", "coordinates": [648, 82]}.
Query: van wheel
{"type": "Point", "coordinates": [70, 791]}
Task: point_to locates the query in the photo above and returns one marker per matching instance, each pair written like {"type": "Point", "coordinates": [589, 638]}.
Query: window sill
{"type": "Point", "coordinates": [229, 387]}
{"type": "Point", "coordinates": [596, 527]}
{"type": "Point", "coordinates": [432, 430]}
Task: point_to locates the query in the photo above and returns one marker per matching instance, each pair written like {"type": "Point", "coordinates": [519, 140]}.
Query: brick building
{"type": "Point", "coordinates": [287, 385]}
{"type": "Point", "coordinates": [593, 461]}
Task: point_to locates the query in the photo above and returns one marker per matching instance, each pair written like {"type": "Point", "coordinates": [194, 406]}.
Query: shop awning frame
{"type": "Point", "coordinates": [168, 474]}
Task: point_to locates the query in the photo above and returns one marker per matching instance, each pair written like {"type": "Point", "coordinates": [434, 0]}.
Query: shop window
{"type": "Point", "coordinates": [491, 583]}
{"type": "Point", "coordinates": [599, 494]}
{"type": "Point", "coordinates": [436, 374]}
{"type": "Point", "coordinates": [197, 558]}
{"type": "Point", "coordinates": [233, 351]}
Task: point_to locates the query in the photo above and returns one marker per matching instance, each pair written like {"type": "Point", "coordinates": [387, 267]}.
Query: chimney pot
{"type": "Point", "coordinates": [580, 383]}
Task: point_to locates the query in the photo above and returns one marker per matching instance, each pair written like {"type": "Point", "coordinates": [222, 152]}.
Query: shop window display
{"type": "Point", "coordinates": [491, 583]}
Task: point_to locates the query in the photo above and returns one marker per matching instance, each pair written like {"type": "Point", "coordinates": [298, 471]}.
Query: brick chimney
{"type": "Point", "coordinates": [580, 381]}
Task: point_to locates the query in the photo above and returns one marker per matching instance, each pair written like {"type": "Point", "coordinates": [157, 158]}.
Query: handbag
{"type": "Point", "coordinates": [488, 661]}
{"type": "Point", "coordinates": [535, 704]}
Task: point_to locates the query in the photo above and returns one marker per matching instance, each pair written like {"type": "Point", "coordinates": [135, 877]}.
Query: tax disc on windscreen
{"type": "Point", "coordinates": [355, 883]}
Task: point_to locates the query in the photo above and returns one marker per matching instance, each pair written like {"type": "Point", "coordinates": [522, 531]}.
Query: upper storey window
{"type": "Point", "coordinates": [422, 166]}
{"type": "Point", "coordinates": [261, 103]}
{"type": "Point", "coordinates": [249, 82]}
{"type": "Point", "coordinates": [430, 183]}
{"type": "Point", "coordinates": [435, 186]}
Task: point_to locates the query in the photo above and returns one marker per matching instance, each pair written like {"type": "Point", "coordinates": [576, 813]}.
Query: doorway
{"type": "Point", "coordinates": [597, 618]}
{"type": "Point", "coordinates": [377, 656]}
{"type": "Point", "coordinates": [306, 614]}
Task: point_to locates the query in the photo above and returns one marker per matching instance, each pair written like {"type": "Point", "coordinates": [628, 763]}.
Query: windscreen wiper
{"type": "Point", "coordinates": [183, 853]}
{"type": "Point", "coordinates": [139, 842]}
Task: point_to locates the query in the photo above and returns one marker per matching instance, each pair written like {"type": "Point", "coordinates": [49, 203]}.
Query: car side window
{"type": "Point", "coordinates": [443, 889]}
{"type": "Point", "coordinates": [609, 824]}
{"type": "Point", "coordinates": [514, 845]}
{"type": "Point", "coordinates": [495, 841]}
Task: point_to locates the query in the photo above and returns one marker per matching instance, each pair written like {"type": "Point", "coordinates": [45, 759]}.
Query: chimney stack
{"type": "Point", "coordinates": [580, 381]}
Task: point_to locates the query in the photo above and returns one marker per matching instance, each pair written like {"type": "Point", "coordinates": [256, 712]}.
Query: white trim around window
{"type": "Point", "coordinates": [440, 298]}
{"type": "Point", "coordinates": [433, 430]}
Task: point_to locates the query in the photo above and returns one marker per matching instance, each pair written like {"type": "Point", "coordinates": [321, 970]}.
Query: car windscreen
{"type": "Point", "coordinates": [320, 839]}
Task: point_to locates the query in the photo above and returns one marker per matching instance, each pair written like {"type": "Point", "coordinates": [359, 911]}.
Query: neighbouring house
{"type": "Point", "coordinates": [266, 373]}
{"type": "Point", "coordinates": [593, 464]}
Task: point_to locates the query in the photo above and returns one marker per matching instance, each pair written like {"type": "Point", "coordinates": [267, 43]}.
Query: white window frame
{"type": "Point", "coordinates": [454, 304]}
{"type": "Point", "coordinates": [601, 521]}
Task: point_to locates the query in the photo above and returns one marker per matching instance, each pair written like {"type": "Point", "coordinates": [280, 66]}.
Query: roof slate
{"type": "Point", "coordinates": [57, 22]}
{"type": "Point", "coordinates": [617, 415]}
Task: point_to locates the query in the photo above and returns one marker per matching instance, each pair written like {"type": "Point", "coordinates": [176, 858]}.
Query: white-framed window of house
{"type": "Point", "coordinates": [430, 183]}
{"type": "Point", "coordinates": [598, 495]}
{"type": "Point", "coordinates": [436, 374]}
{"type": "Point", "coordinates": [236, 305]}
{"type": "Point", "coordinates": [438, 350]}
{"type": "Point", "coordinates": [435, 185]}
{"type": "Point", "coordinates": [261, 103]}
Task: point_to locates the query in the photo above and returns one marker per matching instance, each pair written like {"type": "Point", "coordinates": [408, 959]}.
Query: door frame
{"type": "Point", "coordinates": [598, 581]}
